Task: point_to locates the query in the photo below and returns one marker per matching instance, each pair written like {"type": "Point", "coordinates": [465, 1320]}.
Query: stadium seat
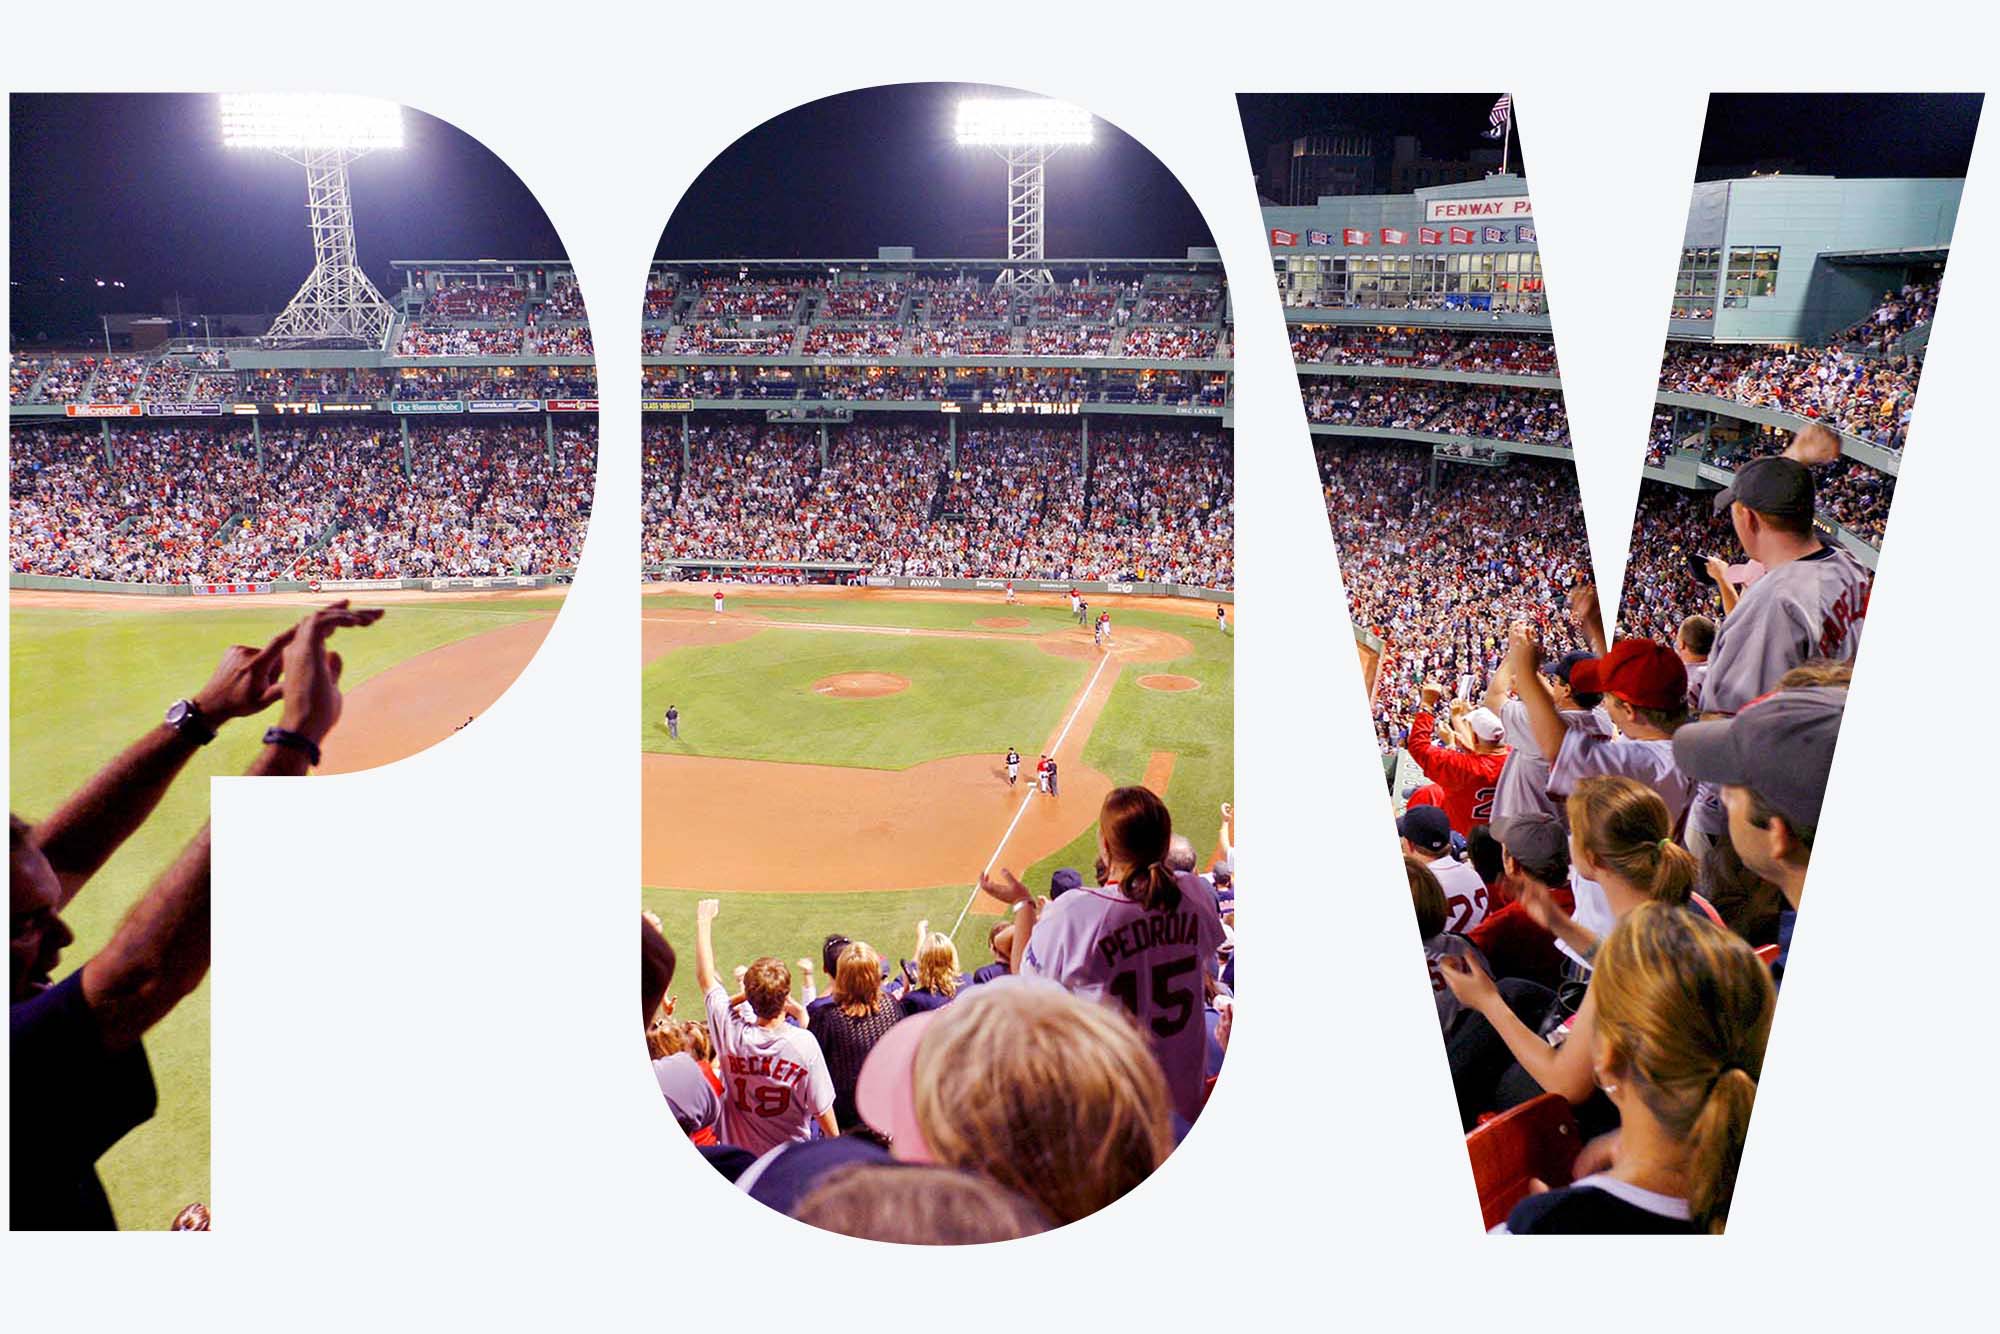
{"type": "Point", "coordinates": [1536, 1141]}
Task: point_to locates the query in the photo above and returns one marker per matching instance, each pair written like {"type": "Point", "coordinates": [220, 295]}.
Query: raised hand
{"type": "Point", "coordinates": [245, 681]}
{"type": "Point", "coordinates": [706, 909]}
{"type": "Point", "coordinates": [311, 674]}
{"type": "Point", "coordinates": [1430, 692]}
{"type": "Point", "coordinates": [1005, 886]}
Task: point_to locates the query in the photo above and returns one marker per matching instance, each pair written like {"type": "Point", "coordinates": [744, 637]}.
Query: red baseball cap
{"type": "Point", "coordinates": [1643, 672]}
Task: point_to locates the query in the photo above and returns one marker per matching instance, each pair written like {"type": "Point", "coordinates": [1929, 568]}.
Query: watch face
{"type": "Point", "coordinates": [177, 712]}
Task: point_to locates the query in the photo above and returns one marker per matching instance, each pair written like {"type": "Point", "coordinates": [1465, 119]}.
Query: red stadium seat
{"type": "Point", "coordinates": [1768, 953]}
{"type": "Point", "coordinates": [1537, 1140]}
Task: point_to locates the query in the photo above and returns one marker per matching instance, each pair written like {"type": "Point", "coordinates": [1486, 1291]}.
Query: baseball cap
{"type": "Point", "coordinates": [1427, 827]}
{"type": "Point", "coordinates": [1485, 724]}
{"type": "Point", "coordinates": [886, 1091]}
{"type": "Point", "coordinates": [1564, 671]}
{"type": "Point", "coordinates": [1643, 672]}
{"type": "Point", "coordinates": [1773, 485]}
{"type": "Point", "coordinates": [1537, 840]}
{"type": "Point", "coordinates": [1065, 880]}
{"type": "Point", "coordinates": [1779, 746]}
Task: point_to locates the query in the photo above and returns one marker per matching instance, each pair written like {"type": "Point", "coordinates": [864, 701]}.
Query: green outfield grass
{"type": "Point", "coordinates": [792, 926]}
{"type": "Point", "coordinates": [876, 611]}
{"type": "Point", "coordinates": [754, 699]}
{"type": "Point", "coordinates": [1197, 726]}
{"type": "Point", "coordinates": [748, 693]}
{"type": "Point", "coordinates": [85, 685]}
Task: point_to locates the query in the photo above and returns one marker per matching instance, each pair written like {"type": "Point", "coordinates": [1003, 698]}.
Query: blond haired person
{"type": "Point", "coordinates": [848, 1028]}
{"type": "Point", "coordinates": [935, 979]}
{"type": "Point", "coordinates": [1619, 837]}
{"type": "Point", "coordinates": [1683, 1010]}
{"type": "Point", "coordinates": [1052, 1096]}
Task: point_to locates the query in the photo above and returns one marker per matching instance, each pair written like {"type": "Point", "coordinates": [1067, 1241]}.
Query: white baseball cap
{"type": "Point", "coordinates": [1485, 724]}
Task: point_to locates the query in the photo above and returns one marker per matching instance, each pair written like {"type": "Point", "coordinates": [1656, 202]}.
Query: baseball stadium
{"type": "Point", "coordinates": [1606, 836]}
{"type": "Point", "coordinates": [938, 562]}
{"type": "Point", "coordinates": [182, 484]}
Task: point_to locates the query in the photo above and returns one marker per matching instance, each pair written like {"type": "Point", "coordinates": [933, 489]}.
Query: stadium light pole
{"type": "Point", "coordinates": [336, 306]}
{"type": "Point", "coordinates": [1024, 131]}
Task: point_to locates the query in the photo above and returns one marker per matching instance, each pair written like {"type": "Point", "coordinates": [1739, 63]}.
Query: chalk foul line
{"type": "Point", "coordinates": [1033, 792]}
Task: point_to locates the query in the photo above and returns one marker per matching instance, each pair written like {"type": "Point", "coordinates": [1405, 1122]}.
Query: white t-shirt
{"type": "Point", "coordinates": [774, 1080]}
{"type": "Point", "coordinates": [1524, 779]}
{"type": "Point", "coordinates": [1104, 946]}
{"type": "Point", "coordinates": [1593, 913]}
{"type": "Point", "coordinates": [1464, 894]}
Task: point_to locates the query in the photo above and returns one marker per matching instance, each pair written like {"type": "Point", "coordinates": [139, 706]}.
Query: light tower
{"type": "Point", "coordinates": [336, 306]}
{"type": "Point", "coordinates": [1024, 131]}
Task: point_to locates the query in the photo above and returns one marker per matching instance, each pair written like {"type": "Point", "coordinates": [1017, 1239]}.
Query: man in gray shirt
{"type": "Point", "coordinates": [1808, 605]}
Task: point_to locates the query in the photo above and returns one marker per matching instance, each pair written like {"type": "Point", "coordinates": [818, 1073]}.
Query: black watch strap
{"type": "Point", "coordinates": [185, 717]}
{"type": "Point", "coordinates": [305, 745]}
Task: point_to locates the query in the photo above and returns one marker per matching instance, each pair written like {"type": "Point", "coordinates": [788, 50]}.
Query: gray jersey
{"type": "Point", "coordinates": [1524, 779]}
{"type": "Point", "coordinates": [687, 1091]}
{"type": "Point", "coordinates": [1807, 608]}
{"type": "Point", "coordinates": [1447, 946]}
{"type": "Point", "coordinates": [1102, 945]}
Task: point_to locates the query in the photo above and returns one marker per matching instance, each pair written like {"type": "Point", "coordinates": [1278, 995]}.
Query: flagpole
{"type": "Point", "coordinates": [1508, 144]}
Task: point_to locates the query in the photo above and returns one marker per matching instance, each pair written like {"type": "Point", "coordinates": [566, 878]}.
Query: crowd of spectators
{"type": "Point", "coordinates": [1437, 575]}
{"type": "Point", "coordinates": [1893, 317]}
{"type": "Point", "coordinates": [1865, 396]}
{"type": "Point", "coordinates": [962, 340]}
{"type": "Point", "coordinates": [663, 289]}
{"type": "Point", "coordinates": [749, 300]}
{"type": "Point", "coordinates": [1191, 305]}
{"type": "Point", "coordinates": [1068, 340]}
{"type": "Point", "coordinates": [1156, 503]}
{"type": "Point", "coordinates": [492, 304]}
{"type": "Point", "coordinates": [460, 340]}
{"type": "Point", "coordinates": [1605, 830]}
{"type": "Point", "coordinates": [1429, 349]}
{"type": "Point", "coordinates": [22, 372]}
{"type": "Point", "coordinates": [564, 302]}
{"type": "Point", "coordinates": [725, 338]}
{"type": "Point", "coordinates": [857, 340]}
{"type": "Point", "coordinates": [190, 502]}
{"type": "Point", "coordinates": [1090, 305]}
{"type": "Point", "coordinates": [1170, 342]}
{"type": "Point", "coordinates": [563, 340]}
{"type": "Point", "coordinates": [968, 304]}
{"type": "Point", "coordinates": [940, 1102]}
{"type": "Point", "coordinates": [1525, 415]}
{"type": "Point", "coordinates": [862, 301]}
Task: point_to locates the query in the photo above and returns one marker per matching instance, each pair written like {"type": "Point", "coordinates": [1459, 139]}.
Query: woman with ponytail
{"type": "Point", "coordinates": [1620, 837]}
{"type": "Point", "coordinates": [1683, 1012]}
{"type": "Point", "coordinates": [1147, 940]}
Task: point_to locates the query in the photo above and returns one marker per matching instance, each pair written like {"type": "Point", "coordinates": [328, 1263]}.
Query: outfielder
{"type": "Point", "coordinates": [1010, 592]}
{"type": "Point", "coordinates": [1222, 618]}
{"type": "Point", "coordinates": [718, 602]}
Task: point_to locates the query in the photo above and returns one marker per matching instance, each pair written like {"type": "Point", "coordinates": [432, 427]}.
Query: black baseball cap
{"type": "Point", "coordinates": [1538, 841]}
{"type": "Point", "coordinates": [1063, 881]}
{"type": "Point", "coordinates": [1427, 827]}
{"type": "Point", "coordinates": [1780, 747]}
{"type": "Point", "coordinates": [1773, 485]}
{"type": "Point", "coordinates": [1561, 671]}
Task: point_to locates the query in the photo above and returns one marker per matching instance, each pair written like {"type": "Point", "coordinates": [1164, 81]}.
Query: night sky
{"type": "Point", "coordinates": [840, 177]}
{"type": "Point", "coordinates": [1840, 134]}
{"type": "Point", "coordinates": [1451, 125]}
{"type": "Point", "coordinates": [138, 188]}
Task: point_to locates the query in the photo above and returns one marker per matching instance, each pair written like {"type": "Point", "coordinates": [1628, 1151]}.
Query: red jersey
{"type": "Point", "coordinates": [1468, 780]}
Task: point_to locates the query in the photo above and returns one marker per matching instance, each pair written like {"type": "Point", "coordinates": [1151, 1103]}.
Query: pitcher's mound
{"type": "Point", "coordinates": [1162, 682]}
{"type": "Point", "coordinates": [1001, 622]}
{"type": "Point", "coordinates": [860, 685]}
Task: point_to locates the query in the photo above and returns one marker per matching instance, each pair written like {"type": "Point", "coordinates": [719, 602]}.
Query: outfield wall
{"type": "Point", "coordinates": [1135, 589]}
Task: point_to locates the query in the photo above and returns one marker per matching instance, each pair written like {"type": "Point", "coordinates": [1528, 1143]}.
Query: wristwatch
{"type": "Point", "coordinates": [184, 716]}
{"type": "Point", "coordinates": [305, 745]}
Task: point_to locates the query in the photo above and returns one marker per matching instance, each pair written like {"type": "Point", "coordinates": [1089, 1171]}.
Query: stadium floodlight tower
{"type": "Point", "coordinates": [1024, 131]}
{"type": "Point", "coordinates": [336, 306]}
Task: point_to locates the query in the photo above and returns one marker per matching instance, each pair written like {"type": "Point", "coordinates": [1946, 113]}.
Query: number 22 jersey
{"type": "Point", "coordinates": [1104, 946]}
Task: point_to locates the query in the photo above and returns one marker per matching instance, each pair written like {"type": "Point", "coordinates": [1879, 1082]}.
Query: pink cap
{"type": "Point", "coordinates": [886, 1092]}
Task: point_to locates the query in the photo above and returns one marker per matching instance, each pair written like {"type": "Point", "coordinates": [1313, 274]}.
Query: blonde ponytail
{"type": "Point", "coordinates": [1685, 1008]}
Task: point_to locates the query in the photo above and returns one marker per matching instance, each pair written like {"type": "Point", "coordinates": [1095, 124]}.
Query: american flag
{"type": "Point", "coordinates": [1503, 111]}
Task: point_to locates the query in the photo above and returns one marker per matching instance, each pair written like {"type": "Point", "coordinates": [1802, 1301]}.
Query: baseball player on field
{"type": "Point", "coordinates": [1042, 774]}
{"type": "Point", "coordinates": [1010, 592]}
{"type": "Point", "coordinates": [718, 602]}
{"type": "Point", "coordinates": [1013, 766]}
{"type": "Point", "coordinates": [1074, 598]}
{"type": "Point", "coordinates": [1081, 606]}
{"type": "Point", "coordinates": [1222, 618]}
{"type": "Point", "coordinates": [673, 721]}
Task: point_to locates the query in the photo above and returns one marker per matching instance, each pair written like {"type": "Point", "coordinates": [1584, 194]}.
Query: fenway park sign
{"type": "Point", "coordinates": [1496, 208]}
{"type": "Point", "coordinates": [103, 410]}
